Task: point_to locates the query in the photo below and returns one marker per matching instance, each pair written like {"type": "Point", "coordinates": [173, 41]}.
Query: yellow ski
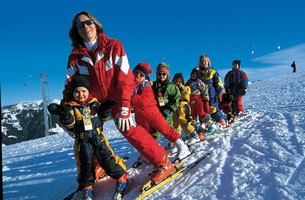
{"type": "Point", "coordinates": [147, 189]}
{"type": "Point", "coordinates": [150, 188]}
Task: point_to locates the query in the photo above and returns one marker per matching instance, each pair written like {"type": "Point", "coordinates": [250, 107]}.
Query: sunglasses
{"type": "Point", "coordinates": [162, 74]}
{"type": "Point", "coordinates": [137, 73]}
{"type": "Point", "coordinates": [87, 22]}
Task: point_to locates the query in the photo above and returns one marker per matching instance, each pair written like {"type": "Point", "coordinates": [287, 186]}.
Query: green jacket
{"type": "Point", "coordinates": [170, 93]}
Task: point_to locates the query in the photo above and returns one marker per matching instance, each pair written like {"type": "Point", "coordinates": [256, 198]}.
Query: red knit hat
{"type": "Point", "coordinates": [145, 68]}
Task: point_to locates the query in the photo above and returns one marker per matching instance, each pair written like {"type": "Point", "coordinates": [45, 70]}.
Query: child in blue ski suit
{"type": "Point", "coordinates": [236, 83]}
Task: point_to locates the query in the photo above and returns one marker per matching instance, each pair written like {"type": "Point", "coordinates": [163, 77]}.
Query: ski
{"type": "Point", "coordinates": [150, 187]}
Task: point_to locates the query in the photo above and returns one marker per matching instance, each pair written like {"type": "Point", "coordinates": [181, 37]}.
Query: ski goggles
{"type": "Point", "coordinates": [87, 22]}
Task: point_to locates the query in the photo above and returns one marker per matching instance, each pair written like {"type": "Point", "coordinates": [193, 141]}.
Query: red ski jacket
{"type": "Point", "coordinates": [109, 74]}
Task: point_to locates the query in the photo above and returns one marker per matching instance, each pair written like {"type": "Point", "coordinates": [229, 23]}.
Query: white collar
{"type": "Point", "coordinates": [91, 45]}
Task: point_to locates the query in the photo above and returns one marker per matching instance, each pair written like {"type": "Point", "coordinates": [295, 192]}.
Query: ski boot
{"type": "Point", "coordinates": [201, 136]}
{"type": "Point", "coordinates": [161, 171]}
{"type": "Point", "coordinates": [121, 186]}
{"type": "Point", "coordinates": [183, 150]}
{"type": "Point", "coordinates": [223, 124]}
{"type": "Point", "coordinates": [82, 194]}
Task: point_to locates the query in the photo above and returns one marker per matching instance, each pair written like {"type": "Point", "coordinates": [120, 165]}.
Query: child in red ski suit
{"type": "Point", "coordinates": [199, 100]}
{"type": "Point", "coordinates": [147, 116]}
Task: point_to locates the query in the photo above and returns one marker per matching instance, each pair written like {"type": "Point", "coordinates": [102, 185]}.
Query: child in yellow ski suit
{"type": "Point", "coordinates": [182, 117]}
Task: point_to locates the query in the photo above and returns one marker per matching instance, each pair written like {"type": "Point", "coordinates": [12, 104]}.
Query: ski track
{"type": "Point", "coordinates": [245, 142]}
{"type": "Point", "coordinates": [300, 165]}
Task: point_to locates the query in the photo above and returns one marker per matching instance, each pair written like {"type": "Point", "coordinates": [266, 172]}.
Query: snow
{"type": "Point", "coordinates": [260, 157]}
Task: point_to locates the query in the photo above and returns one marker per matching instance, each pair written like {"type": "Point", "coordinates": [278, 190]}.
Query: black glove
{"type": "Point", "coordinates": [94, 106]}
{"type": "Point", "coordinates": [104, 110]}
{"type": "Point", "coordinates": [66, 118]}
{"type": "Point", "coordinates": [243, 92]}
{"type": "Point", "coordinates": [55, 109]}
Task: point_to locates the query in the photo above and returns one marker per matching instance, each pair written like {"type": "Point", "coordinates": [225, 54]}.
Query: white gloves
{"type": "Point", "coordinates": [123, 119]}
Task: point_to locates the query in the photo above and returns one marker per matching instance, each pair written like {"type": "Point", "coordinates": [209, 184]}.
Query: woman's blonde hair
{"type": "Point", "coordinates": [75, 39]}
{"type": "Point", "coordinates": [206, 57]}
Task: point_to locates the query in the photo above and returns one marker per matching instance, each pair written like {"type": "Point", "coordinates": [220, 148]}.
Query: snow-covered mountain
{"type": "Point", "coordinates": [260, 157]}
{"type": "Point", "coordinates": [23, 121]}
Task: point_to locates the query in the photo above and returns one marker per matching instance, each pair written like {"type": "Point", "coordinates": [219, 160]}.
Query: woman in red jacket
{"type": "Point", "coordinates": [103, 61]}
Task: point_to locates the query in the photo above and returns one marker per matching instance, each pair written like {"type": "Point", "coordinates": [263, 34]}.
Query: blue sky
{"type": "Point", "coordinates": [34, 38]}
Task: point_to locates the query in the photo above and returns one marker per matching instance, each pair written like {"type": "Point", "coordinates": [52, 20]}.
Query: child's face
{"type": "Point", "coordinates": [204, 62]}
{"type": "Point", "coordinates": [139, 76]}
{"type": "Point", "coordinates": [194, 75]}
{"type": "Point", "coordinates": [177, 81]}
{"type": "Point", "coordinates": [235, 65]}
{"type": "Point", "coordinates": [80, 94]}
{"type": "Point", "coordinates": [162, 76]}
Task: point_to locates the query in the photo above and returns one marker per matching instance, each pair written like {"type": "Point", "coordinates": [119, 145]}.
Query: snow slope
{"type": "Point", "coordinates": [260, 157]}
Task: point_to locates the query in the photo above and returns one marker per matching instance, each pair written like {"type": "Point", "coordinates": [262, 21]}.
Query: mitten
{"type": "Point", "coordinates": [55, 109]}
{"type": "Point", "coordinates": [66, 118]}
{"type": "Point", "coordinates": [94, 106]}
{"type": "Point", "coordinates": [104, 110]}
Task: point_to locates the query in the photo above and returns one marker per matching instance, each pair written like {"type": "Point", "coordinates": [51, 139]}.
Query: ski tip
{"type": "Point", "coordinates": [146, 186]}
